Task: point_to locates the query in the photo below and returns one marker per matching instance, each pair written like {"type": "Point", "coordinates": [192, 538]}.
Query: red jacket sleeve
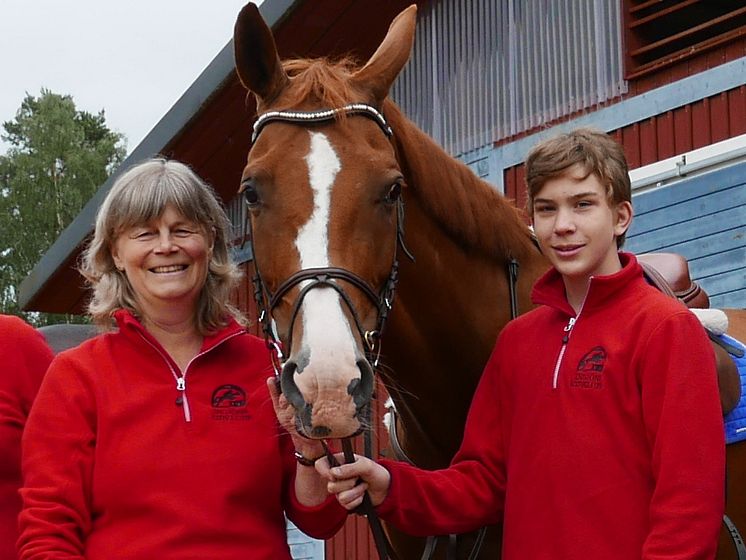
{"type": "Point", "coordinates": [321, 521]}
{"type": "Point", "coordinates": [58, 454]}
{"type": "Point", "coordinates": [470, 492]}
{"type": "Point", "coordinates": [683, 419]}
{"type": "Point", "coordinates": [24, 358]}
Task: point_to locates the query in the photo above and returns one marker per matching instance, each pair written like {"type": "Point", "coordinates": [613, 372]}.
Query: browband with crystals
{"type": "Point", "coordinates": [320, 116]}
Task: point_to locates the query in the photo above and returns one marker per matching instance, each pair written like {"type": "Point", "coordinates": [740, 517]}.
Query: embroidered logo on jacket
{"type": "Point", "coordinates": [590, 368]}
{"type": "Point", "coordinates": [229, 403]}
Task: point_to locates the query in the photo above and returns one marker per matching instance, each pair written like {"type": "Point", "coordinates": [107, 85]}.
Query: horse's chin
{"type": "Point", "coordinates": [331, 428]}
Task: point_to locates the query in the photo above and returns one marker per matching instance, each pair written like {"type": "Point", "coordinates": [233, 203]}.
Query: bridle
{"type": "Point", "coordinates": [330, 277]}
{"type": "Point", "coordinates": [326, 276]}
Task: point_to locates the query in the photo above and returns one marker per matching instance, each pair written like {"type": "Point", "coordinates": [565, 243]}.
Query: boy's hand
{"type": "Point", "coordinates": [349, 482]}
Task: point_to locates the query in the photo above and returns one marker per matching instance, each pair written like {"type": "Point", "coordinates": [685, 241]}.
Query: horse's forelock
{"type": "Point", "coordinates": [321, 80]}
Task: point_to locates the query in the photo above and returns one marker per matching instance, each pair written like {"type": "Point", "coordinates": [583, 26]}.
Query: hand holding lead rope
{"type": "Point", "coordinates": [359, 473]}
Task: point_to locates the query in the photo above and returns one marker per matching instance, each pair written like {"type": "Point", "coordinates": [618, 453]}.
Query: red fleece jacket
{"type": "Point", "coordinates": [597, 436]}
{"type": "Point", "coordinates": [119, 462]}
{"type": "Point", "coordinates": [24, 358]}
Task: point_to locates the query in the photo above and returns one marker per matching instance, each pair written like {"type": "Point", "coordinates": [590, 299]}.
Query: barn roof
{"type": "Point", "coordinates": [209, 126]}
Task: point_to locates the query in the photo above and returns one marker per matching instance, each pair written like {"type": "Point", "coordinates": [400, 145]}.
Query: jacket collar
{"type": "Point", "coordinates": [550, 289]}
{"type": "Point", "coordinates": [129, 324]}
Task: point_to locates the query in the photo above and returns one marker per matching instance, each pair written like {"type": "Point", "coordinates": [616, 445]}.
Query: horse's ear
{"type": "Point", "coordinates": [257, 62]}
{"type": "Point", "coordinates": [390, 57]}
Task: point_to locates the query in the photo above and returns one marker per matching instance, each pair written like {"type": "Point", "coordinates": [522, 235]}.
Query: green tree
{"type": "Point", "coordinates": [57, 158]}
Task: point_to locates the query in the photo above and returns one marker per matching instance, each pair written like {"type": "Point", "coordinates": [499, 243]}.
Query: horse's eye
{"type": "Point", "coordinates": [250, 194]}
{"type": "Point", "coordinates": [394, 193]}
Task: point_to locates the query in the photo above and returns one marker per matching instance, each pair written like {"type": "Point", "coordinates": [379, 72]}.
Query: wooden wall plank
{"type": "Point", "coordinates": [520, 195]}
{"type": "Point", "coordinates": [631, 143]}
{"type": "Point", "coordinates": [719, 126]}
{"type": "Point", "coordinates": [666, 135]}
{"type": "Point", "coordinates": [737, 110]}
{"type": "Point", "coordinates": [718, 263]}
{"type": "Point", "coordinates": [700, 113]}
{"type": "Point", "coordinates": [724, 283]}
{"type": "Point", "coordinates": [728, 177]}
{"type": "Point", "coordinates": [730, 299]}
{"type": "Point", "coordinates": [682, 124]}
{"type": "Point", "coordinates": [648, 143]}
{"type": "Point", "coordinates": [718, 204]}
{"type": "Point", "coordinates": [700, 234]}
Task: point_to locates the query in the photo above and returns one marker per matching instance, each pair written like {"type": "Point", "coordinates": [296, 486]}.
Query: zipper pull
{"type": "Point", "coordinates": [180, 386]}
{"type": "Point", "coordinates": [568, 328]}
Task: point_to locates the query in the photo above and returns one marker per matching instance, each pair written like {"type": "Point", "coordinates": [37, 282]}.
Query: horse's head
{"type": "Point", "coordinates": [323, 190]}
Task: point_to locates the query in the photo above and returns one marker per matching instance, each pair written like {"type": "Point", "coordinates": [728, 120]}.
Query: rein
{"type": "Point", "coordinates": [328, 277]}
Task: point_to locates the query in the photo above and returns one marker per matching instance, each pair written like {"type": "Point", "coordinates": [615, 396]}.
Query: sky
{"type": "Point", "coordinates": [132, 58]}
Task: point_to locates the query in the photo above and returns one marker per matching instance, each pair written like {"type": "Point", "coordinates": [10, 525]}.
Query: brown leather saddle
{"type": "Point", "coordinates": [669, 273]}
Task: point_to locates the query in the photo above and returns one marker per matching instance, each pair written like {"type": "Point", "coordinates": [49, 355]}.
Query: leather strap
{"type": "Point", "coordinates": [736, 537]}
{"type": "Point", "coordinates": [366, 509]}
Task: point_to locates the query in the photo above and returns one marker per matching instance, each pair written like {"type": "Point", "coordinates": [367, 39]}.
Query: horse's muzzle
{"type": "Point", "coordinates": [360, 390]}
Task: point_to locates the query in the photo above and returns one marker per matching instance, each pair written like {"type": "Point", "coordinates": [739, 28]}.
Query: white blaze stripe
{"type": "Point", "coordinates": [324, 324]}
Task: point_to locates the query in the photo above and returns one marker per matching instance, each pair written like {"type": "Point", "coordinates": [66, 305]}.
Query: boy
{"type": "Point", "coordinates": [596, 430]}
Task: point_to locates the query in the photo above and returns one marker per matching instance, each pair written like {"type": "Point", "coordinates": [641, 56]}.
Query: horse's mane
{"type": "Point", "coordinates": [321, 80]}
{"type": "Point", "coordinates": [468, 208]}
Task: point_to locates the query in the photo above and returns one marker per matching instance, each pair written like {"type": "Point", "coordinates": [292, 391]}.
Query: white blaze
{"type": "Point", "coordinates": [326, 331]}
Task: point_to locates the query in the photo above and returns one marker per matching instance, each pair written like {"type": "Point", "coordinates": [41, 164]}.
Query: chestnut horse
{"type": "Point", "coordinates": [325, 184]}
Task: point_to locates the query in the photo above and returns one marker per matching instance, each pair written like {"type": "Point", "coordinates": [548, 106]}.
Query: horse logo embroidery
{"type": "Point", "coordinates": [590, 368]}
{"type": "Point", "coordinates": [229, 403]}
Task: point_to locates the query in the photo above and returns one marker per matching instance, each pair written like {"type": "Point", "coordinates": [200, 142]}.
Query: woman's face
{"type": "Point", "coordinates": [166, 262]}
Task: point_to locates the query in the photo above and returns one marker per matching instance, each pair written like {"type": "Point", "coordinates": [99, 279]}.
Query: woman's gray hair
{"type": "Point", "coordinates": [138, 196]}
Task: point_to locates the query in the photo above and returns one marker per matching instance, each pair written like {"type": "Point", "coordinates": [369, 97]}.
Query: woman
{"type": "Point", "coordinates": [24, 357]}
{"type": "Point", "coordinates": [159, 440]}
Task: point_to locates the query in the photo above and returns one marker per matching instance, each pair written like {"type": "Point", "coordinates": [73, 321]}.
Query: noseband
{"type": "Point", "coordinates": [327, 277]}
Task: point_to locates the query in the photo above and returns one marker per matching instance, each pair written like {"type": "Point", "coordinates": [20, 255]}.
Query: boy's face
{"type": "Point", "coordinates": [577, 228]}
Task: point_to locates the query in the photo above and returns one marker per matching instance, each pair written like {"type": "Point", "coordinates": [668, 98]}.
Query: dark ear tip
{"type": "Point", "coordinates": [249, 7]}
{"type": "Point", "coordinates": [250, 10]}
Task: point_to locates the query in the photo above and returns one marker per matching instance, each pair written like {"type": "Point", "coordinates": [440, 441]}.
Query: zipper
{"type": "Point", "coordinates": [565, 340]}
{"type": "Point", "coordinates": [566, 337]}
{"type": "Point", "coordinates": [180, 377]}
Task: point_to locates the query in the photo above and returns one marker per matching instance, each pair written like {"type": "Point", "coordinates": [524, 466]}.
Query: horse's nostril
{"type": "Point", "coordinates": [361, 389]}
{"type": "Point", "coordinates": [289, 388]}
{"type": "Point", "coordinates": [353, 386]}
